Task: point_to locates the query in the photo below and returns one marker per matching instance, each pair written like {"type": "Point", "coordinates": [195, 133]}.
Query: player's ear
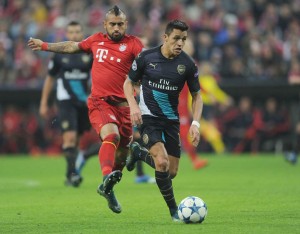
{"type": "Point", "coordinates": [165, 37]}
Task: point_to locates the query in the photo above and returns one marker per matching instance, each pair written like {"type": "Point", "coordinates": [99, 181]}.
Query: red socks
{"type": "Point", "coordinates": [107, 153]}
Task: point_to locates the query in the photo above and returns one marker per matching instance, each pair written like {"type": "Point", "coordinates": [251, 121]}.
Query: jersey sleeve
{"type": "Point", "coordinates": [192, 80]}
{"type": "Point", "coordinates": [137, 47]}
{"type": "Point", "coordinates": [86, 44]}
{"type": "Point", "coordinates": [137, 68]}
{"type": "Point", "coordinates": [53, 66]}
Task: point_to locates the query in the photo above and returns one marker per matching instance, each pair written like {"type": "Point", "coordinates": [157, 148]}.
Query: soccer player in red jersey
{"type": "Point", "coordinates": [113, 53]}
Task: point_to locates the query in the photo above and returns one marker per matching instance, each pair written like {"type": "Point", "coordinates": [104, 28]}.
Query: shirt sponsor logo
{"type": "Point", "coordinates": [163, 85]}
{"type": "Point", "coordinates": [101, 54]}
{"type": "Point", "coordinates": [75, 74]}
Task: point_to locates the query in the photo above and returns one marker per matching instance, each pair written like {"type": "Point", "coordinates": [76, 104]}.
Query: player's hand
{"type": "Point", "coordinates": [195, 134]}
{"type": "Point", "coordinates": [135, 115]}
{"type": "Point", "coordinates": [44, 111]}
{"type": "Point", "coordinates": [35, 44]}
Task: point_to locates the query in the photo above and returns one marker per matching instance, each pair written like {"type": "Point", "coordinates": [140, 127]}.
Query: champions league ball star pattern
{"type": "Point", "coordinates": [192, 210]}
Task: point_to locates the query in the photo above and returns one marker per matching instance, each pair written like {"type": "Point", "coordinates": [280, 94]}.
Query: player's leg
{"type": "Point", "coordinates": [68, 118]}
{"type": "Point", "coordinates": [110, 141]}
{"type": "Point", "coordinates": [84, 155]}
{"type": "Point", "coordinates": [162, 176]}
{"type": "Point", "coordinates": [211, 133]}
{"type": "Point", "coordinates": [137, 152]}
{"type": "Point", "coordinates": [70, 151]}
{"type": "Point", "coordinates": [89, 142]}
{"type": "Point", "coordinates": [134, 160]}
{"type": "Point", "coordinates": [153, 135]}
{"type": "Point", "coordinates": [103, 120]}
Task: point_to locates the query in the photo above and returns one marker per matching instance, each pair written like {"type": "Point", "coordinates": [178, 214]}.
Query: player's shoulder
{"type": "Point", "coordinates": [95, 37]}
{"type": "Point", "coordinates": [132, 40]}
{"type": "Point", "coordinates": [131, 37]}
{"type": "Point", "coordinates": [184, 56]}
{"type": "Point", "coordinates": [150, 52]}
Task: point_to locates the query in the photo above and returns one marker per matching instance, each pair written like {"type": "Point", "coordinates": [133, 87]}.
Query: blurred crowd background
{"type": "Point", "coordinates": [241, 41]}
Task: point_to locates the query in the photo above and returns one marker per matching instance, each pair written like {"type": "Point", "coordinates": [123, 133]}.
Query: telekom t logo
{"type": "Point", "coordinates": [102, 54]}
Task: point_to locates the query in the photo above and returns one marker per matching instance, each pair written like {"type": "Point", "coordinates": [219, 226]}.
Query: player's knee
{"type": "Point", "coordinates": [162, 163]}
{"type": "Point", "coordinates": [69, 139]}
{"type": "Point", "coordinates": [112, 139]}
{"type": "Point", "coordinates": [69, 142]}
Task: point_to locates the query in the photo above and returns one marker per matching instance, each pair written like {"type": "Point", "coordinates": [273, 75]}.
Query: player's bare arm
{"type": "Point", "coordinates": [197, 106]}
{"type": "Point", "coordinates": [46, 91]}
{"type": "Point", "coordinates": [135, 112]}
{"type": "Point", "coordinates": [65, 47]}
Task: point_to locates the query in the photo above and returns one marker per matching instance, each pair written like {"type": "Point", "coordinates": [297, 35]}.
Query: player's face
{"type": "Point", "coordinates": [115, 26]}
{"type": "Point", "coordinates": [175, 42]}
{"type": "Point", "coordinates": [74, 33]}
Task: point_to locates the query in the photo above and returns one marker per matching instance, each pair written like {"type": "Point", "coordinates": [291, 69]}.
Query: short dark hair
{"type": "Point", "coordinates": [176, 24]}
{"type": "Point", "coordinates": [115, 10]}
{"type": "Point", "coordinates": [73, 23]}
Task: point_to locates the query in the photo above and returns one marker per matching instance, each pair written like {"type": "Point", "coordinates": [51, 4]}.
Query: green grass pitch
{"type": "Point", "coordinates": [244, 194]}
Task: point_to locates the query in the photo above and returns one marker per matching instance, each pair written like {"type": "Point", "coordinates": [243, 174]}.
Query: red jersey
{"type": "Point", "coordinates": [112, 62]}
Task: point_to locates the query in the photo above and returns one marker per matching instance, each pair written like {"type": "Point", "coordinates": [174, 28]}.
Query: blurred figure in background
{"type": "Point", "coordinates": [276, 126]}
{"type": "Point", "coordinates": [241, 127]}
{"type": "Point", "coordinates": [293, 147]}
{"type": "Point", "coordinates": [213, 97]}
{"type": "Point", "coordinates": [72, 74]}
{"type": "Point", "coordinates": [185, 113]}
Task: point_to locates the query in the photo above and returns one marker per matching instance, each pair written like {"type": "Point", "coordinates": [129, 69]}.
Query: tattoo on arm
{"type": "Point", "coordinates": [66, 47]}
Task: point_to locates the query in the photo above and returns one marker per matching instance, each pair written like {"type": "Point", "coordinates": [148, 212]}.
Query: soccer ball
{"type": "Point", "coordinates": [192, 210]}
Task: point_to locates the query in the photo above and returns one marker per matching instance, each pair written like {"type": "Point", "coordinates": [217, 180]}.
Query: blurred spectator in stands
{"type": "Point", "coordinates": [264, 33]}
{"type": "Point", "coordinates": [11, 129]}
{"type": "Point", "coordinates": [230, 32]}
{"type": "Point", "coordinates": [240, 127]}
{"type": "Point", "coordinates": [292, 148]}
{"type": "Point", "coordinates": [203, 46]}
{"type": "Point", "coordinates": [276, 126]}
{"type": "Point", "coordinates": [294, 73]}
{"type": "Point", "coordinates": [230, 68]}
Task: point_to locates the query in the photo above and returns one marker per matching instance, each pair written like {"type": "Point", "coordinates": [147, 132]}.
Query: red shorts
{"type": "Point", "coordinates": [102, 113]}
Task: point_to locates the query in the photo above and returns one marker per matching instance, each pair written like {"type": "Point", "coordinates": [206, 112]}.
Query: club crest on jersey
{"type": "Point", "coordinates": [65, 124]}
{"type": "Point", "coordinates": [65, 60]}
{"type": "Point", "coordinates": [180, 69]}
{"type": "Point", "coordinates": [145, 139]}
{"type": "Point", "coordinates": [122, 47]}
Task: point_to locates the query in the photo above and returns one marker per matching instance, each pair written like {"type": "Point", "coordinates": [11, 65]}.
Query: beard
{"type": "Point", "coordinates": [116, 37]}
